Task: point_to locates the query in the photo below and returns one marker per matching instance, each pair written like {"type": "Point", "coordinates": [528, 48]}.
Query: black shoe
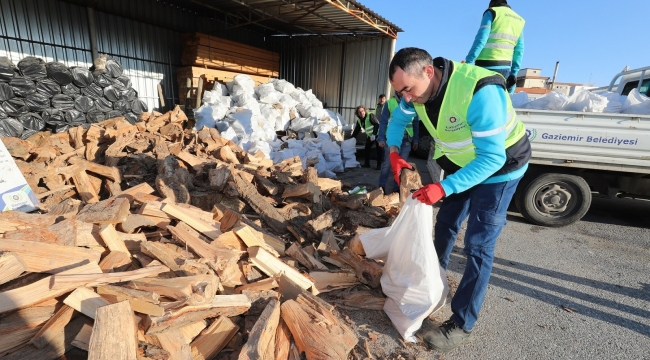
{"type": "Point", "coordinates": [448, 336]}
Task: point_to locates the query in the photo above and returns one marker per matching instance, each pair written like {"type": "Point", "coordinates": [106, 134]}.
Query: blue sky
{"type": "Point", "coordinates": [592, 39]}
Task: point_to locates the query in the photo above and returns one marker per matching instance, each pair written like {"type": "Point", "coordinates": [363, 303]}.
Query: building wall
{"type": "Point", "coordinates": [532, 83]}
{"type": "Point", "coordinates": [529, 72]}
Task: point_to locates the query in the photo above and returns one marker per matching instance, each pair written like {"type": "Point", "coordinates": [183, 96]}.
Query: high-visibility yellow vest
{"type": "Point", "coordinates": [452, 136]}
{"type": "Point", "coordinates": [507, 27]}
{"type": "Point", "coordinates": [367, 125]}
{"type": "Point", "coordinates": [392, 105]}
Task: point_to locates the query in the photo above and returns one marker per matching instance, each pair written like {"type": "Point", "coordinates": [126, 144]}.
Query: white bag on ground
{"type": "Point", "coordinates": [412, 278]}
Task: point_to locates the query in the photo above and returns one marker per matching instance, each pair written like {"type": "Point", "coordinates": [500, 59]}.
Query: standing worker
{"type": "Point", "coordinates": [499, 43]}
{"type": "Point", "coordinates": [484, 151]}
{"type": "Point", "coordinates": [381, 104]}
{"type": "Point", "coordinates": [409, 141]}
{"type": "Point", "coordinates": [368, 122]}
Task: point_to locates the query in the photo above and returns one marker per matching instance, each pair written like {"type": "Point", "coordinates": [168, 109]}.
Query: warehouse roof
{"type": "Point", "coordinates": [298, 17]}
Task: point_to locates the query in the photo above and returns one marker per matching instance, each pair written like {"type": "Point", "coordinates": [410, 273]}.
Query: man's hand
{"type": "Point", "coordinates": [512, 81]}
{"type": "Point", "coordinates": [429, 194]}
{"type": "Point", "coordinates": [381, 144]}
{"type": "Point", "coordinates": [397, 164]}
{"type": "Point", "coordinates": [414, 146]}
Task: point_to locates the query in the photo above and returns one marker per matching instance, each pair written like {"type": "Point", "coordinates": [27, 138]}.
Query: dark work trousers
{"type": "Point", "coordinates": [379, 153]}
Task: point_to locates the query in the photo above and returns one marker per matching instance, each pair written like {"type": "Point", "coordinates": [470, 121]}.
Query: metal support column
{"type": "Point", "coordinates": [93, 33]}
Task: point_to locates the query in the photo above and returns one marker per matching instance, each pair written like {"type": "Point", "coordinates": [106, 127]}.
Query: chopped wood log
{"type": "Point", "coordinates": [16, 220]}
{"type": "Point", "coordinates": [250, 238]}
{"type": "Point", "coordinates": [259, 300]}
{"type": "Point", "coordinates": [190, 159]}
{"type": "Point", "coordinates": [362, 300]}
{"type": "Point", "coordinates": [221, 305]}
{"type": "Point", "coordinates": [140, 188]}
{"type": "Point", "coordinates": [82, 340]}
{"type": "Point", "coordinates": [317, 331]}
{"type": "Point", "coordinates": [328, 242]}
{"type": "Point", "coordinates": [356, 246]}
{"type": "Point", "coordinates": [282, 341]}
{"type": "Point", "coordinates": [326, 184]}
{"type": "Point", "coordinates": [197, 245]}
{"type": "Point", "coordinates": [195, 290]}
{"type": "Point", "coordinates": [135, 221]}
{"type": "Point", "coordinates": [108, 172]}
{"type": "Point", "coordinates": [115, 261]}
{"type": "Point", "coordinates": [323, 222]}
{"type": "Point", "coordinates": [174, 343]}
{"type": "Point", "coordinates": [73, 232]}
{"type": "Point", "coordinates": [111, 238]}
{"type": "Point", "coordinates": [297, 234]}
{"type": "Point", "coordinates": [49, 258]}
{"type": "Point", "coordinates": [266, 186]}
{"type": "Point", "coordinates": [39, 291]}
{"type": "Point", "coordinates": [209, 343]}
{"type": "Point", "coordinates": [308, 191]}
{"type": "Point", "coordinates": [229, 219]}
{"type": "Point", "coordinates": [161, 252]}
{"type": "Point", "coordinates": [305, 259]}
{"type": "Point", "coordinates": [70, 281]}
{"type": "Point", "coordinates": [354, 202]}
{"type": "Point", "coordinates": [261, 340]}
{"type": "Point", "coordinates": [132, 241]}
{"type": "Point", "coordinates": [191, 331]}
{"type": "Point", "coordinates": [273, 266]}
{"type": "Point", "coordinates": [368, 271]}
{"type": "Point", "coordinates": [218, 177]}
{"type": "Point", "coordinates": [17, 148]}
{"type": "Point", "coordinates": [329, 281]}
{"type": "Point", "coordinates": [310, 175]}
{"type": "Point", "coordinates": [250, 272]}
{"type": "Point", "coordinates": [145, 302]}
{"type": "Point", "coordinates": [269, 214]}
{"type": "Point", "coordinates": [266, 284]}
{"type": "Point", "coordinates": [365, 218]}
{"type": "Point", "coordinates": [114, 333]}
{"type": "Point", "coordinates": [228, 241]}
{"type": "Point", "coordinates": [84, 188]}
{"type": "Point", "coordinates": [111, 211]}
{"type": "Point", "coordinates": [55, 349]}
{"type": "Point", "coordinates": [201, 226]}
{"type": "Point", "coordinates": [85, 301]}
{"type": "Point", "coordinates": [226, 154]}
{"type": "Point", "coordinates": [276, 243]}
{"type": "Point", "coordinates": [11, 266]}
{"type": "Point", "coordinates": [16, 329]}
{"type": "Point", "coordinates": [377, 198]}
{"type": "Point", "coordinates": [409, 180]}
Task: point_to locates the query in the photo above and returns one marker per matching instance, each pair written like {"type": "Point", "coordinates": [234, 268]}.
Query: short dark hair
{"type": "Point", "coordinates": [409, 59]}
{"type": "Point", "coordinates": [382, 96]}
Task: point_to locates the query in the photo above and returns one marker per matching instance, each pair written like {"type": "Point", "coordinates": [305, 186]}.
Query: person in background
{"type": "Point", "coordinates": [499, 43]}
{"type": "Point", "coordinates": [381, 104]}
{"type": "Point", "coordinates": [483, 149]}
{"type": "Point", "coordinates": [409, 142]}
{"type": "Point", "coordinates": [368, 122]}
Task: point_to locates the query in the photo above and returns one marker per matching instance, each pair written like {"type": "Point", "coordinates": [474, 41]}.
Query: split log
{"type": "Point", "coordinates": [226, 154]}
{"type": "Point", "coordinates": [208, 344]}
{"type": "Point", "coordinates": [308, 191]}
{"type": "Point", "coordinates": [248, 236]}
{"type": "Point", "coordinates": [305, 259]}
{"type": "Point", "coordinates": [11, 266]}
{"type": "Point", "coordinates": [135, 221]}
{"type": "Point", "coordinates": [266, 284]}
{"type": "Point", "coordinates": [229, 219]}
{"type": "Point", "coordinates": [317, 331]}
{"type": "Point", "coordinates": [174, 343]}
{"type": "Point", "coordinates": [268, 213]}
{"type": "Point", "coordinates": [261, 340]}
{"type": "Point", "coordinates": [266, 186]}
{"type": "Point", "coordinates": [73, 232]}
{"type": "Point", "coordinates": [282, 341]}
{"type": "Point", "coordinates": [326, 184]}
{"type": "Point", "coordinates": [329, 281]}
{"type": "Point", "coordinates": [110, 211]}
{"type": "Point", "coordinates": [368, 271]}
{"type": "Point", "coordinates": [219, 176]}
{"type": "Point", "coordinates": [82, 340]}
{"type": "Point", "coordinates": [365, 218]}
{"type": "Point", "coordinates": [115, 261]}
{"type": "Point", "coordinates": [353, 202]}
{"type": "Point", "coordinates": [85, 301]}
{"type": "Point", "coordinates": [273, 266]}
{"type": "Point", "coordinates": [114, 333]}
{"type": "Point", "coordinates": [16, 329]}
{"type": "Point", "coordinates": [409, 180]}
{"type": "Point", "coordinates": [362, 300]}
{"type": "Point", "coordinates": [323, 222]}
{"type": "Point", "coordinates": [228, 241]}
{"type": "Point", "coordinates": [191, 331]}
{"type": "Point", "coordinates": [356, 246]}
{"type": "Point", "coordinates": [221, 305]}
{"type": "Point", "coordinates": [161, 252]}
{"type": "Point", "coordinates": [49, 258]}
{"type": "Point", "coordinates": [142, 301]}
{"type": "Point", "coordinates": [201, 226]}
{"type": "Point", "coordinates": [197, 245]}
{"type": "Point", "coordinates": [70, 281]}
{"type": "Point", "coordinates": [111, 238]}
{"type": "Point", "coordinates": [194, 290]}
{"type": "Point", "coordinates": [85, 189]}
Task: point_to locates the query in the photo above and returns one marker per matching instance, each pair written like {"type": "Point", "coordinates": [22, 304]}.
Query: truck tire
{"type": "Point", "coordinates": [553, 199]}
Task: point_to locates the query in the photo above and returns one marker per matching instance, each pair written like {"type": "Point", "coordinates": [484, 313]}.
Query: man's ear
{"type": "Point", "coordinates": [429, 71]}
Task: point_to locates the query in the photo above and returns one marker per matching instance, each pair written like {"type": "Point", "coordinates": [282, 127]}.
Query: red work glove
{"type": "Point", "coordinates": [429, 194]}
{"type": "Point", "coordinates": [397, 163]}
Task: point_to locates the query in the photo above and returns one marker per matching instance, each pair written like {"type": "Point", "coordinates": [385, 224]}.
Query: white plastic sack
{"type": "Point", "coordinates": [636, 103]}
{"type": "Point", "coordinates": [412, 278]}
{"type": "Point", "coordinates": [551, 101]}
{"type": "Point", "coordinates": [586, 101]}
{"type": "Point", "coordinates": [302, 124]}
{"type": "Point", "coordinates": [284, 86]}
{"type": "Point", "coordinates": [614, 103]}
{"type": "Point", "coordinates": [244, 81]}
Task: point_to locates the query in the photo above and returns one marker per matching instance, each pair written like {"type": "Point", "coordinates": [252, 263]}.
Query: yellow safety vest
{"type": "Point", "coordinates": [507, 27]}
{"type": "Point", "coordinates": [453, 137]}
{"type": "Point", "coordinates": [392, 105]}
{"type": "Point", "coordinates": [367, 125]}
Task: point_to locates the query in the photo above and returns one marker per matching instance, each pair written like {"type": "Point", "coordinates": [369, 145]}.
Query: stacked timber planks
{"type": "Point", "coordinates": [209, 76]}
{"type": "Point", "coordinates": [216, 53]}
{"type": "Point", "coordinates": [157, 242]}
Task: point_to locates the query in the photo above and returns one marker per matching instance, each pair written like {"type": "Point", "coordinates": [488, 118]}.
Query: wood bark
{"type": "Point", "coordinates": [114, 333]}
{"type": "Point", "coordinates": [261, 340]}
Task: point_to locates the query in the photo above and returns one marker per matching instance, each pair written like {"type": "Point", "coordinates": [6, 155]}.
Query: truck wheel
{"type": "Point", "coordinates": [553, 199]}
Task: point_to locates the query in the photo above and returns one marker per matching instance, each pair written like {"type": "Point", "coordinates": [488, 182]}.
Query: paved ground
{"type": "Point", "coordinates": [577, 292]}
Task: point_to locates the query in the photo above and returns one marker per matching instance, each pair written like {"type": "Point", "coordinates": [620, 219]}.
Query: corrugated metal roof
{"type": "Point", "coordinates": [298, 17]}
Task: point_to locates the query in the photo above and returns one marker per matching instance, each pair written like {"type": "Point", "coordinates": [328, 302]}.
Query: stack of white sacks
{"type": "Point", "coordinates": [250, 115]}
{"type": "Point", "coordinates": [586, 101]}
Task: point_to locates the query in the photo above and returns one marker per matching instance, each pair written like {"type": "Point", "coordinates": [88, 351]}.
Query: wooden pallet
{"type": "Point", "coordinates": [209, 77]}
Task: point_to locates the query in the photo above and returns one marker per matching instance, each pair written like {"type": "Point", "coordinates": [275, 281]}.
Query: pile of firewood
{"type": "Point", "coordinates": [158, 242]}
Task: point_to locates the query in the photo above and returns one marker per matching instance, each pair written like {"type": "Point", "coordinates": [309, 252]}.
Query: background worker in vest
{"type": "Point", "coordinates": [482, 146]}
{"type": "Point", "coordinates": [381, 104]}
{"type": "Point", "coordinates": [499, 43]}
{"type": "Point", "coordinates": [368, 122]}
{"type": "Point", "coordinates": [409, 141]}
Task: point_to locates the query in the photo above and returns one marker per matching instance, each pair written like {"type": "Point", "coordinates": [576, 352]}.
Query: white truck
{"type": "Point", "coordinates": [576, 154]}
